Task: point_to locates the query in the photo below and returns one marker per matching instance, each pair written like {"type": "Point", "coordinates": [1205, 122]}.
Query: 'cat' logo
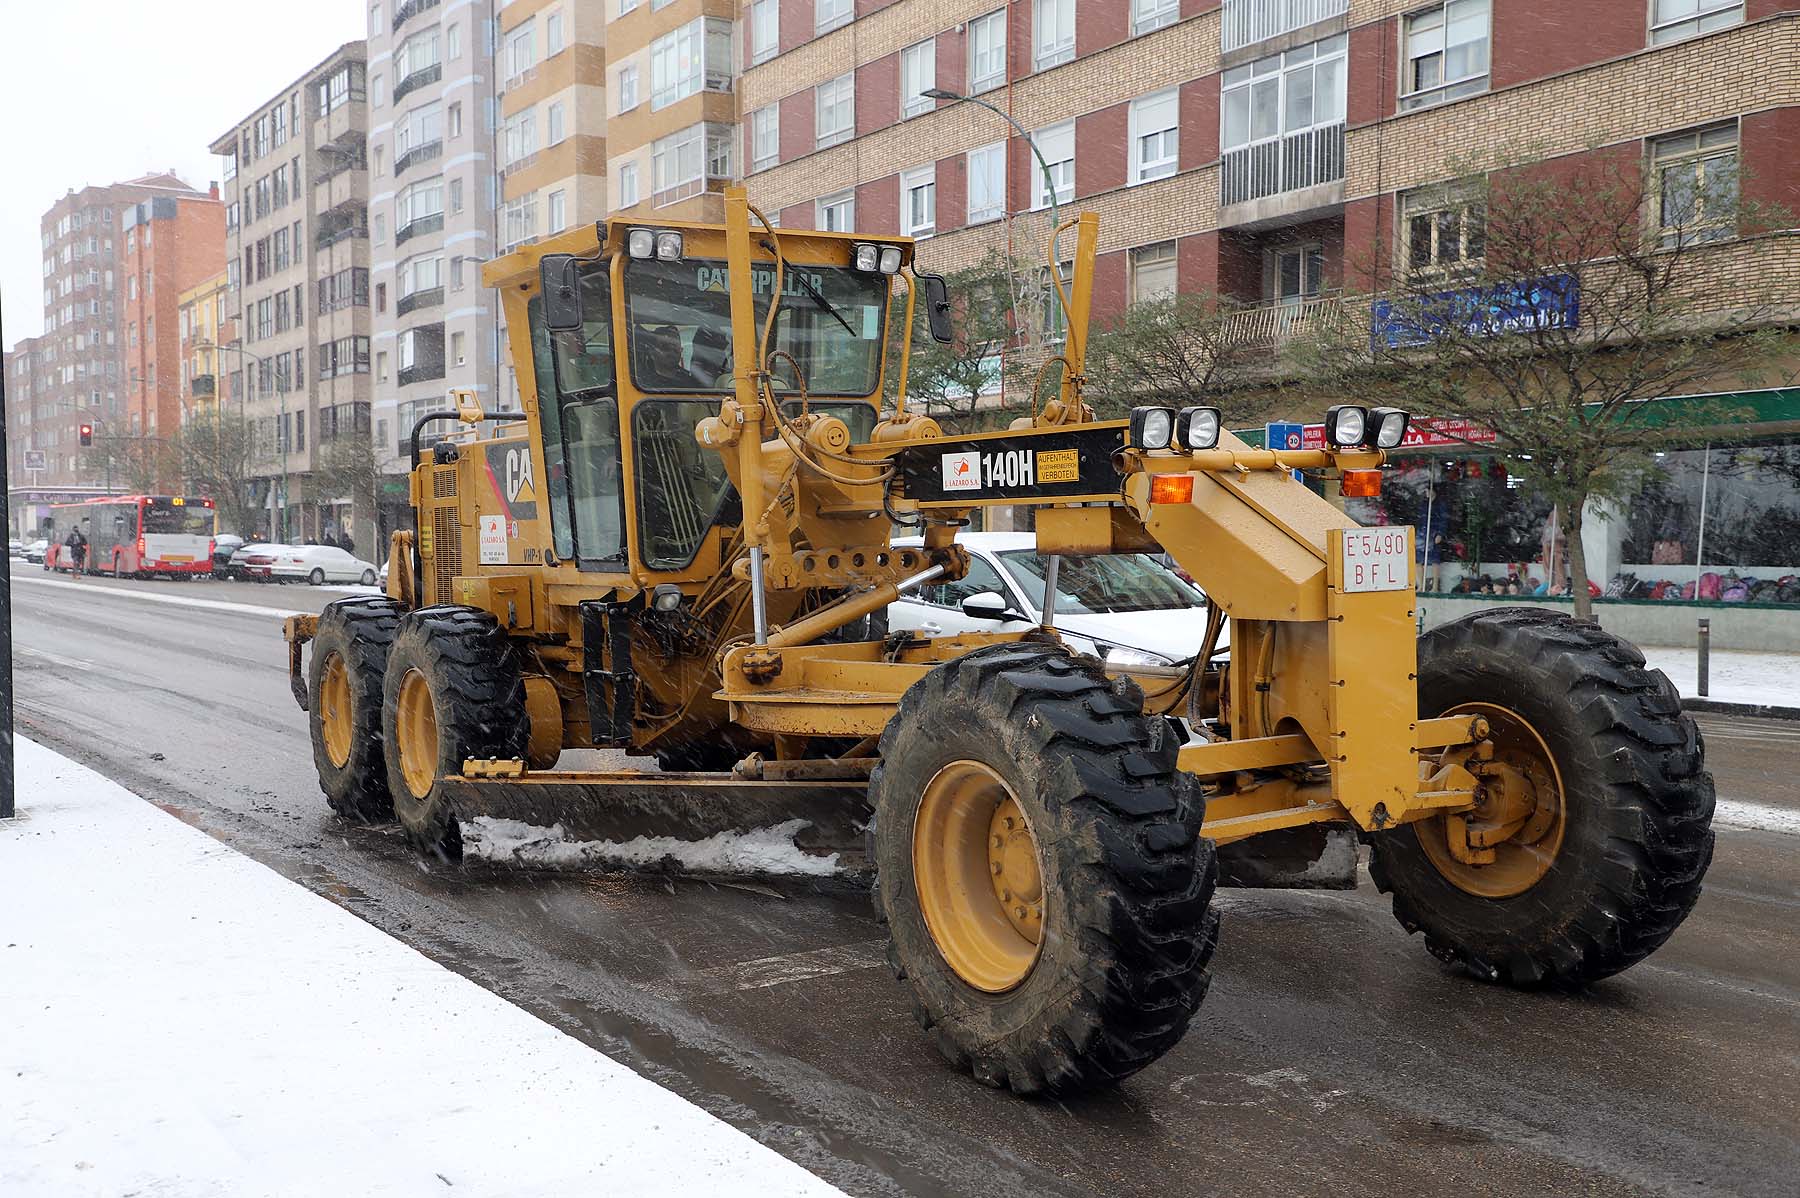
{"type": "Point", "coordinates": [518, 477]}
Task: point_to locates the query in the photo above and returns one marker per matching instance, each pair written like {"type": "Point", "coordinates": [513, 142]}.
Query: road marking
{"type": "Point", "coordinates": [68, 663]}
{"type": "Point", "coordinates": [172, 600]}
{"type": "Point", "coordinates": [764, 972]}
{"type": "Point", "coordinates": [1757, 817]}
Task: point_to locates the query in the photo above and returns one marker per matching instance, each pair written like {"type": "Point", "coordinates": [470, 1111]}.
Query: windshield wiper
{"type": "Point", "coordinates": [817, 298]}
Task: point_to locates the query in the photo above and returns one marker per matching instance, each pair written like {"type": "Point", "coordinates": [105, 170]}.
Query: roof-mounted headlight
{"type": "Point", "coordinates": [890, 259]}
{"type": "Point", "coordinates": [1198, 428]}
{"type": "Point", "coordinates": [641, 243]}
{"type": "Point", "coordinates": [1345, 425]}
{"type": "Point", "coordinates": [668, 247]}
{"type": "Point", "coordinates": [1152, 428]}
{"type": "Point", "coordinates": [1387, 427]}
{"type": "Point", "coordinates": [866, 257]}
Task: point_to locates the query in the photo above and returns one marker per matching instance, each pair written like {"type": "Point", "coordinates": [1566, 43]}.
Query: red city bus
{"type": "Point", "coordinates": [136, 535]}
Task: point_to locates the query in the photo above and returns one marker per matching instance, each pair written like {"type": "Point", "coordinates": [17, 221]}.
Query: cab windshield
{"type": "Point", "coordinates": [831, 321]}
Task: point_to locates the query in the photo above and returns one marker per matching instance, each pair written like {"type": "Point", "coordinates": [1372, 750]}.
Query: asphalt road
{"type": "Point", "coordinates": [1333, 1055]}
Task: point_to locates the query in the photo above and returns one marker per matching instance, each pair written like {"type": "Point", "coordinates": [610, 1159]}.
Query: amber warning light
{"type": "Point", "coordinates": [1172, 488]}
{"type": "Point", "coordinates": [1361, 484]}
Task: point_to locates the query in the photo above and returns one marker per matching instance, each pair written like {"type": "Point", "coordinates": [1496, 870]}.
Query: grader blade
{"type": "Point", "coordinates": [623, 806]}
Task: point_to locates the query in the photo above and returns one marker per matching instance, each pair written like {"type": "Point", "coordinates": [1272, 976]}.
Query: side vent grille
{"type": "Point", "coordinates": [443, 483]}
{"type": "Point", "coordinates": [446, 544]}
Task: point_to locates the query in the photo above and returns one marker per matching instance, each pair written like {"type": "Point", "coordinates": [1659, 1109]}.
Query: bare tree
{"type": "Point", "coordinates": [1180, 350]}
{"type": "Point", "coordinates": [134, 464]}
{"type": "Point", "coordinates": [347, 468]}
{"type": "Point", "coordinates": [219, 457]}
{"type": "Point", "coordinates": [955, 384]}
{"type": "Point", "coordinates": [1550, 301]}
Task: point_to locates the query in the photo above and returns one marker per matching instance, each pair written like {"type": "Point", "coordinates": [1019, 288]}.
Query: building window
{"type": "Point", "coordinates": [553, 35]}
{"type": "Point", "coordinates": [987, 51]}
{"type": "Point", "coordinates": [918, 74]}
{"type": "Point", "coordinates": [626, 6]}
{"type": "Point", "coordinates": [837, 214]}
{"type": "Point", "coordinates": [418, 53]}
{"type": "Point", "coordinates": [683, 163]}
{"type": "Point", "coordinates": [1154, 146]}
{"type": "Point", "coordinates": [1446, 53]}
{"type": "Point", "coordinates": [628, 184]}
{"type": "Point", "coordinates": [987, 183]}
{"type": "Point", "coordinates": [456, 119]}
{"type": "Point", "coordinates": [765, 30]}
{"type": "Point", "coordinates": [518, 222]}
{"type": "Point", "coordinates": [1444, 230]}
{"type": "Point", "coordinates": [1293, 273]}
{"type": "Point", "coordinates": [836, 114]}
{"type": "Point", "coordinates": [458, 346]}
{"type": "Point", "coordinates": [918, 202]}
{"type": "Point", "coordinates": [765, 137]}
{"type": "Point", "coordinates": [829, 14]}
{"type": "Point", "coordinates": [556, 216]}
{"type": "Point", "coordinates": [1057, 145]}
{"type": "Point", "coordinates": [518, 140]}
{"type": "Point", "coordinates": [1696, 178]}
{"type": "Point", "coordinates": [1153, 14]}
{"type": "Point", "coordinates": [420, 202]}
{"type": "Point", "coordinates": [420, 274]}
{"type": "Point", "coordinates": [1282, 122]}
{"type": "Point", "coordinates": [456, 195]}
{"type": "Point", "coordinates": [521, 53]}
{"type": "Point", "coordinates": [453, 39]}
{"type": "Point", "coordinates": [628, 88]}
{"type": "Point", "coordinates": [1053, 25]}
{"type": "Point", "coordinates": [420, 127]}
{"type": "Point", "coordinates": [553, 119]}
{"type": "Point", "coordinates": [695, 55]}
{"type": "Point", "coordinates": [1672, 20]}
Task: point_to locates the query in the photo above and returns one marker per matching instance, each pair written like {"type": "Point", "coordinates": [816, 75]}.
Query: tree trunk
{"type": "Point", "coordinates": [1578, 579]}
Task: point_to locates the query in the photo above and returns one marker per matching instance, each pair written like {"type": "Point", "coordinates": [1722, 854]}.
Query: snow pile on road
{"type": "Point", "coordinates": [1733, 675]}
{"type": "Point", "coordinates": [182, 1021]}
{"type": "Point", "coordinates": [759, 851]}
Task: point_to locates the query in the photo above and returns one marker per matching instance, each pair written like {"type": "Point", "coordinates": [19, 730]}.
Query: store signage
{"type": "Point", "coordinates": [1550, 302]}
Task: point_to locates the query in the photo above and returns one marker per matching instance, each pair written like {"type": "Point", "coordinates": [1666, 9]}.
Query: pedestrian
{"type": "Point", "coordinates": [77, 545]}
{"type": "Point", "coordinates": [346, 542]}
{"type": "Point", "coordinates": [330, 540]}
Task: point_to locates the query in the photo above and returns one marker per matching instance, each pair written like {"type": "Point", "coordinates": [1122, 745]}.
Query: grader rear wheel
{"type": "Point", "coordinates": [349, 659]}
{"type": "Point", "coordinates": [453, 691]}
{"type": "Point", "coordinates": [1594, 827]}
{"type": "Point", "coordinates": [1046, 891]}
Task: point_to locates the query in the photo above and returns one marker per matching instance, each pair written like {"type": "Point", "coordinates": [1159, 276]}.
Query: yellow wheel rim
{"type": "Point", "coordinates": [978, 876]}
{"type": "Point", "coordinates": [334, 710]}
{"type": "Point", "coordinates": [417, 733]}
{"type": "Point", "coordinates": [1534, 822]}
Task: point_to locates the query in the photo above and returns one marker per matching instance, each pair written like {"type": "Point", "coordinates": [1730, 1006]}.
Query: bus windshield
{"type": "Point", "coordinates": [192, 519]}
{"type": "Point", "coordinates": [831, 321]}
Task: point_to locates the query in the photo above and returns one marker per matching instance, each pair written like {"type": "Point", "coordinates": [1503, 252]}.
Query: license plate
{"type": "Point", "coordinates": [182, 558]}
{"type": "Point", "coordinates": [1377, 559]}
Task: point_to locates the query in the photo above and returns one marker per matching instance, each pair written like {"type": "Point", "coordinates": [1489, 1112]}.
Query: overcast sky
{"type": "Point", "coordinates": [97, 91]}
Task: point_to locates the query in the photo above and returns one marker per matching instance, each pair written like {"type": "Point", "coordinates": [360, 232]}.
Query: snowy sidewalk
{"type": "Point", "coordinates": [1733, 675]}
{"type": "Point", "coordinates": [176, 1019]}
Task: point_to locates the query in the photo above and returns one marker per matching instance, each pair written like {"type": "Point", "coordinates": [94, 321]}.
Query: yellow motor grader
{"type": "Point", "coordinates": [682, 547]}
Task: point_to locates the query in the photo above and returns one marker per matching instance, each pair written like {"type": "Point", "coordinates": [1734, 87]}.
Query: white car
{"type": "Point", "coordinates": [319, 564]}
{"type": "Point", "coordinates": [1126, 608]}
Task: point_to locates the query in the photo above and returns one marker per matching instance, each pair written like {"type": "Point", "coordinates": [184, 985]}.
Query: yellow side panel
{"type": "Point", "coordinates": [1373, 658]}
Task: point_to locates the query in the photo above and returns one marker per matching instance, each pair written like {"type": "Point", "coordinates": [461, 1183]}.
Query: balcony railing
{"type": "Point", "coordinates": [1273, 325]}
{"type": "Point", "coordinates": [1249, 21]}
{"type": "Point", "coordinates": [1303, 159]}
{"type": "Point", "coordinates": [416, 155]}
{"type": "Point", "coordinates": [419, 227]}
{"type": "Point", "coordinates": [411, 9]}
{"type": "Point", "coordinates": [420, 373]}
{"type": "Point", "coordinates": [430, 297]}
{"type": "Point", "coordinates": [518, 164]}
{"type": "Point", "coordinates": [329, 235]}
{"type": "Point", "coordinates": [201, 384]}
{"type": "Point", "coordinates": [419, 78]}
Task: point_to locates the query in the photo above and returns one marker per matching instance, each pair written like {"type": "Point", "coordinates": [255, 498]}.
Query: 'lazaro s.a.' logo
{"type": "Point", "coordinates": [975, 471]}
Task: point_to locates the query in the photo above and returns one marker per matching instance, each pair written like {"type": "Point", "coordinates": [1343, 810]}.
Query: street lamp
{"type": "Point", "coordinates": [941, 93]}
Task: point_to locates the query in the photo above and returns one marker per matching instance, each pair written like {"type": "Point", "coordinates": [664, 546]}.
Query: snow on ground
{"type": "Point", "coordinates": [181, 1021]}
{"type": "Point", "coordinates": [760, 851]}
{"type": "Point", "coordinates": [181, 600]}
{"type": "Point", "coordinates": [1734, 675]}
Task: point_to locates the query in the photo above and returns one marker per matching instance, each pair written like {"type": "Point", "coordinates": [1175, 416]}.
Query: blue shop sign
{"type": "Point", "coordinates": [1550, 302]}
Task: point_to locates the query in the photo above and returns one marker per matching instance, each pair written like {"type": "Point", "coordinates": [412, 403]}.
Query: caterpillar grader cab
{"type": "Point", "coordinates": [683, 545]}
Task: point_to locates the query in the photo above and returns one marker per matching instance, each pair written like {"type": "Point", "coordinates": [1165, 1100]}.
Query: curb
{"type": "Point", "coordinates": [1768, 711]}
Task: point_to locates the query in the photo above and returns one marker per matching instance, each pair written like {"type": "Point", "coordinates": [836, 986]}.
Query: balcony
{"type": "Point", "coordinates": [416, 155]}
{"type": "Point", "coordinates": [419, 373]}
{"type": "Point", "coordinates": [423, 77]}
{"type": "Point", "coordinates": [201, 385]}
{"type": "Point", "coordinates": [326, 236]}
{"type": "Point", "coordinates": [1246, 22]}
{"type": "Point", "coordinates": [1275, 324]}
{"type": "Point", "coordinates": [429, 297]}
{"type": "Point", "coordinates": [347, 220]}
{"type": "Point", "coordinates": [348, 153]}
{"type": "Point", "coordinates": [419, 227]}
{"type": "Point", "coordinates": [411, 9]}
{"type": "Point", "coordinates": [1299, 160]}
{"type": "Point", "coordinates": [518, 164]}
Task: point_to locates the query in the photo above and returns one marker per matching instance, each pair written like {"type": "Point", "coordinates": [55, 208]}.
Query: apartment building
{"type": "Point", "coordinates": [77, 363]}
{"type": "Point", "coordinates": [297, 287]}
{"type": "Point", "coordinates": [672, 128]}
{"type": "Point", "coordinates": [202, 329]}
{"type": "Point", "coordinates": [26, 465]}
{"type": "Point", "coordinates": [432, 211]}
{"type": "Point", "coordinates": [169, 244]}
{"type": "Point", "coordinates": [551, 57]}
{"type": "Point", "coordinates": [1272, 151]}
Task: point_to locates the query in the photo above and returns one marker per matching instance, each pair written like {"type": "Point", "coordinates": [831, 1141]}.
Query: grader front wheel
{"type": "Point", "coordinates": [1594, 825]}
{"type": "Point", "coordinates": [1046, 891]}
{"type": "Point", "coordinates": [349, 659]}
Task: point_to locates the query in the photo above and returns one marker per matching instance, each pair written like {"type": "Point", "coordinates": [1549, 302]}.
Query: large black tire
{"type": "Point", "coordinates": [477, 698]}
{"type": "Point", "coordinates": [1638, 804]}
{"type": "Point", "coordinates": [358, 633]}
{"type": "Point", "coordinates": [1127, 882]}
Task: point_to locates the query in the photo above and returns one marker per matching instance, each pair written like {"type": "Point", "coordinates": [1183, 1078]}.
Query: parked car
{"type": "Point", "coordinates": [36, 550]}
{"type": "Point", "coordinates": [224, 545]}
{"type": "Point", "coordinates": [1126, 608]}
{"type": "Point", "coordinates": [15, 548]}
{"type": "Point", "coordinates": [320, 564]}
{"type": "Point", "coordinates": [255, 562]}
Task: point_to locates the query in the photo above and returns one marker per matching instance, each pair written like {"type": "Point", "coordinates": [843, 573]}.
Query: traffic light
{"type": "Point", "coordinates": [87, 434]}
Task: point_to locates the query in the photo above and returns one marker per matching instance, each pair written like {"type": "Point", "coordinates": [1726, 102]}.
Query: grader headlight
{"type": "Point", "coordinates": [1198, 428]}
{"type": "Point", "coordinates": [668, 246]}
{"type": "Point", "coordinates": [1387, 427]}
{"type": "Point", "coordinates": [641, 243]}
{"type": "Point", "coordinates": [1152, 428]}
{"type": "Point", "coordinates": [890, 259]}
{"type": "Point", "coordinates": [1346, 425]}
{"type": "Point", "coordinates": [866, 257]}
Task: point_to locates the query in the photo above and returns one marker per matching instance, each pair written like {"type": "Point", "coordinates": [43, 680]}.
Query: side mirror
{"type": "Point", "coordinates": [988, 605]}
{"type": "Point", "coordinates": [561, 291]}
{"type": "Point", "coordinates": [937, 307]}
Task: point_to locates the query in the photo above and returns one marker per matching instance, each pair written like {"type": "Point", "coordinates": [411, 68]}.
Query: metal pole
{"type": "Point", "coordinates": [7, 764]}
{"type": "Point", "coordinates": [1705, 664]}
{"type": "Point", "coordinates": [1052, 566]}
{"type": "Point", "coordinates": [1700, 543]}
{"type": "Point", "coordinates": [759, 612]}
